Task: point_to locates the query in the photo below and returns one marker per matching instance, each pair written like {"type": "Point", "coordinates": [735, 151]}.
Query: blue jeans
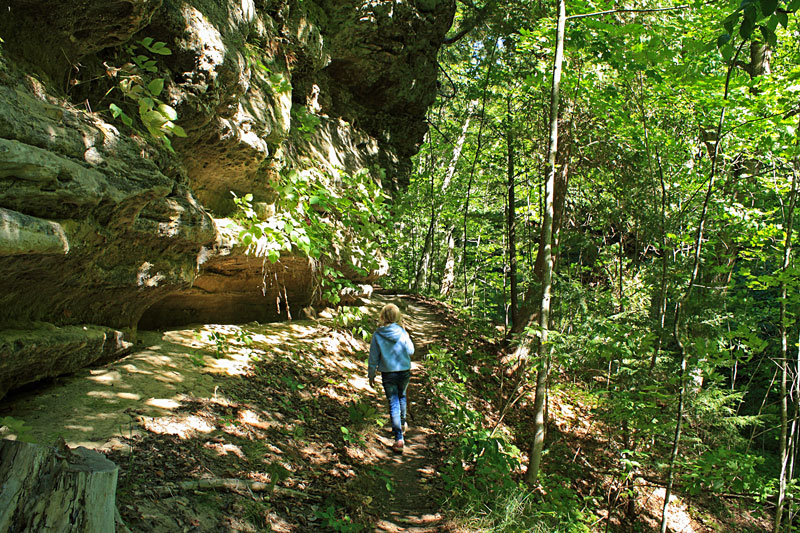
{"type": "Point", "coordinates": [395, 385]}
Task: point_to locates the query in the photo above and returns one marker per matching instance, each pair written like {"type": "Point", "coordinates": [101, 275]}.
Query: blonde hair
{"type": "Point", "coordinates": [389, 314]}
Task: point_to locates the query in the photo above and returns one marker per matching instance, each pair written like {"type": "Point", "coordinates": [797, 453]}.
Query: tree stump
{"type": "Point", "coordinates": [55, 489]}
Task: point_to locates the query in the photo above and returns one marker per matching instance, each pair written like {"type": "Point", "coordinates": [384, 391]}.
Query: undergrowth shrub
{"type": "Point", "coordinates": [630, 369]}
{"type": "Point", "coordinates": [481, 461]}
{"type": "Point", "coordinates": [482, 466]}
{"type": "Point", "coordinates": [355, 321]}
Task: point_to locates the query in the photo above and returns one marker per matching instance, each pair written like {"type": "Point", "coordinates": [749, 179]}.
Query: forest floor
{"type": "Point", "coordinates": [243, 428]}
{"type": "Point", "coordinates": [265, 427]}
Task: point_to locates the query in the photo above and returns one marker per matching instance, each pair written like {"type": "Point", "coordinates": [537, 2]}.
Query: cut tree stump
{"type": "Point", "coordinates": [55, 489]}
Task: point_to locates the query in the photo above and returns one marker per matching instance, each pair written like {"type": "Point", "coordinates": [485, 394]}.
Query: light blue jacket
{"type": "Point", "coordinates": [390, 350]}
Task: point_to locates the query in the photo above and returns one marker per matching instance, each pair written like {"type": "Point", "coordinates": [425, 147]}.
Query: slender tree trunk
{"type": "Point", "coordinates": [544, 314]}
{"type": "Point", "coordinates": [425, 256]}
{"type": "Point", "coordinates": [662, 294]}
{"type": "Point", "coordinates": [512, 223]}
{"type": "Point", "coordinates": [785, 447]}
{"type": "Point", "coordinates": [621, 268]}
{"type": "Point", "coordinates": [449, 276]}
{"type": "Point", "coordinates": [528, 308]}
{"type": "Point", "coordinates": [685, 298]}
{"type": "Point", "coordinates": [795, 426]}
{"type": "Point", "coordinates": [413, 255]}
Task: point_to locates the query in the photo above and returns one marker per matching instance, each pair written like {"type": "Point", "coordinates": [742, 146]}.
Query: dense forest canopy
{"type": "Point", "coordinates": [668, 194]}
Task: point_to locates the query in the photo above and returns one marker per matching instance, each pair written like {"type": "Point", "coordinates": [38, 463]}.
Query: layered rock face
{"type": "Point", "coordinates": [102, 227]}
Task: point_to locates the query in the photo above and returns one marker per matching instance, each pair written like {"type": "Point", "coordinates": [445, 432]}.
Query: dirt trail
{"type": "Point", "coordinates": [175, 410]}
{"type": "Point", "coordinates": [413, 505]}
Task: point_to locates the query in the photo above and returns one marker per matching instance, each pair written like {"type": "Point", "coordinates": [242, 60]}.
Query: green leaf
{"type": "Point", "coordinates": [156, 86]}
{"type": "Point", "coordinates": [153, 118]}
{"type": "Point", "coordinates": [168, 143]}
{"type": "Point", "coordinates": [783, 18]}
{"type": "Point", "coordinates": [748, 23]}
{"type": "Point", "coordinates": [168, 111]}
{"type": "Point", "coordinates": [727, 52]}
{"type": "Point", "coordinates": [746, 29]}
{"type": "Point", "coordinates": [769, 36]}
{"type": "Point", "coordinates": [794, 5]}
{"type": "Point", "coordinates": [177, 130]}
{"type": "Point", "coordinates": [768, 7]}
{"type": "Point", "coordinates": [146, 42]}
{"type": "Point", "coordinates": [772, 23]}
{"type": "Point", "coordinates": [116, 111]}
{"type": "Point", "coordinates": [160, 48]}
{"type": "Point", "coordinates": [730, 22]}
{"type": "Point", "coordinates": [723, 39]}
{"type": "Point", "coordinates": [146, 104]}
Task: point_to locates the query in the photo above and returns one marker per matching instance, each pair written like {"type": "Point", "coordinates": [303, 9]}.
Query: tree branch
{"type": "Point", "coordinates": [610, 11]}
{"type": "Point", "coordinates": [470, 24]}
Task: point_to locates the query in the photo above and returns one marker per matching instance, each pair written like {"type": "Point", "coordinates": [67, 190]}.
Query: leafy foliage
{"type": "Point", "coordinates": [138, 85]}
{"type": "Point", "coordinates": [255, 60]}
{"type": "Point", "coordinates": [305, 121]}
{"type": "Point", "coordinates": [337, 226]}
{"type": "Point", "coordinates": [482, 460]}
{"type": "Point", "coordinates": [356, 321]}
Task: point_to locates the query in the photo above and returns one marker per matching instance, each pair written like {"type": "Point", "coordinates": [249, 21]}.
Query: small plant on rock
{"type": "Point", "coordinates": [138, 84]}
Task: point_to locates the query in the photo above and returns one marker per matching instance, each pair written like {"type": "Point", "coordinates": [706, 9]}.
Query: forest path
{"type": "Point", "coordinates": [181, 409]}
{"type": "Point", "coordinates": [413, 502]}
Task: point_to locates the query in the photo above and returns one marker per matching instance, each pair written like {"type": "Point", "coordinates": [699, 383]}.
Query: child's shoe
{"type": "Point", "coordinates": [398, 446]}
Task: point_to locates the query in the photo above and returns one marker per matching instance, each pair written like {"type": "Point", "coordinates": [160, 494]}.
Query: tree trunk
{"type": "Point", "coordinates": [512, 224]}
{"type": "Point", "coordinates": [784, 442]}
{"type": "Point", "coordinates": [449, 276]}
{"type": "Point", "coordinates": [662, 295]}
{"type": "Point", "coordinates": [478, 148]}
{"type": "Point", "coordinates": [529, 308]}
{"type": "Point", "coordinates": [425, 256]}
{"type": "Point", "coordinates": [55, 489]}
{"type": "Point", "coordinates": [547, 231]}
{"type": "Point", "coordinates": [795, 427]}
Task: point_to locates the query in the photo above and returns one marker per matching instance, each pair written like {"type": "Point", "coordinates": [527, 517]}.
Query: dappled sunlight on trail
{"type": "Point", "coordinates": [92, 406]}
{"type": "Point", "coordinates": [287, 404]}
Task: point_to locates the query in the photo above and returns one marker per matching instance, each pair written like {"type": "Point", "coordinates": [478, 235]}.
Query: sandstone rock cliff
{"type": "Point", "coordinates": [102, 227]}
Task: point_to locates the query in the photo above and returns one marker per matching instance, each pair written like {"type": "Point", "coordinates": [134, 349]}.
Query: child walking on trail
{"type": "Point", "coordinates": [390, 354]}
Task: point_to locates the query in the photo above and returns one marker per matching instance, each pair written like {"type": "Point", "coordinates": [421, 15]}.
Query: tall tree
{"type": "Point", "coordinates": [544, 311]}
{"type": "Point", "coordinates": [786, 444]}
